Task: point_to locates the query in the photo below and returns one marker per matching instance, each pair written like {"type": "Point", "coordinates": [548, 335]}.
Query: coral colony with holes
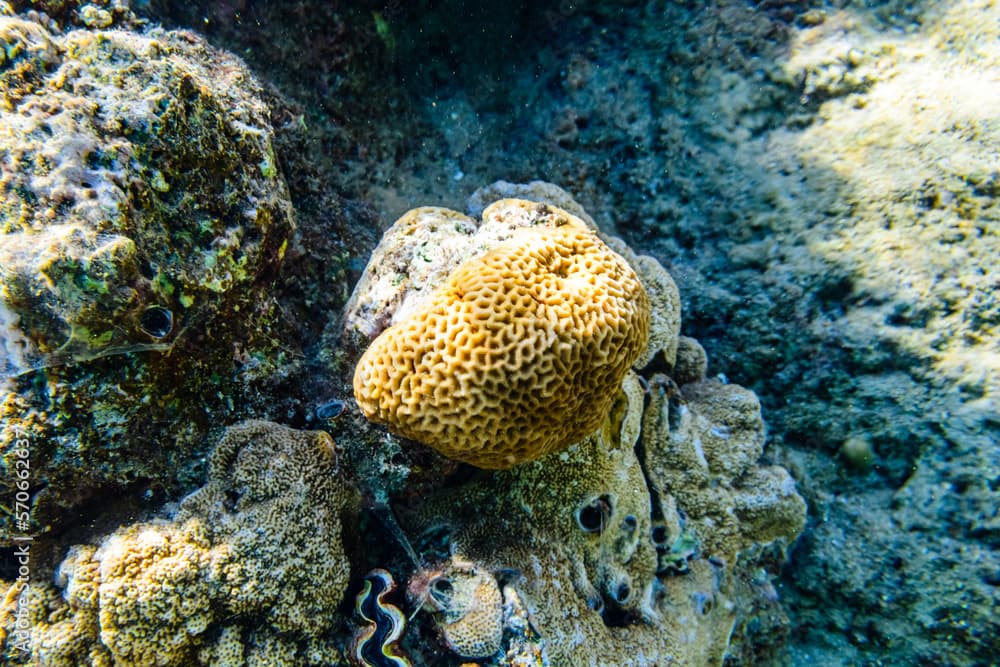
{"type": "Point", "coordinates": [246, 422]}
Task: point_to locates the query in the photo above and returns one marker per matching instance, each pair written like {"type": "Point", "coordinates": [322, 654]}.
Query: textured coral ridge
{"type": "Point", "coordinates": [516, 355]}
{"type": "Point", "coordinates": [620, 569]}
{"type": "Point", "coordinates": [250, 571]}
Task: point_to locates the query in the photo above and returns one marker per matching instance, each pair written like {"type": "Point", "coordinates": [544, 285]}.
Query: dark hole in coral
{"type": "Point", "coordinates": [659, 535]}
{"type": "Point", "coordinates": [331, 409]}
{"type": "Point", "coordinates": [630, 522]}
{"type": "Point", "coordinates": [622, 592]}
{"type": "Point", "coordinates": [834, 289]}
{"type": "Point", "coordinates": [593, 517]}
{"type": "Point", "coordinates": [508, 575]}
{"type": "Point", "coordinates": [703, 602]}
{"type": "Point", "coordinates": [157, 321]}
{"type": "Point", "coordinates": [673, 413]}
{"type": "Point", "coordinates": [961, 485]}
{"type": "Point", "coordinates": [441, 589]}
{"type": "Point", "coordinates": [596, 603]}
{"type": "Point", "coordinates": [232, 496]}
{"type": "Point", "coordinates": [615, 616]}
{"type": "Point", "coordinates": [146, 269]}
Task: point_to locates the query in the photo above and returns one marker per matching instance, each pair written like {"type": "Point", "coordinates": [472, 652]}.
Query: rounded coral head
{"type": "Point", "coordinates": [519, 353]}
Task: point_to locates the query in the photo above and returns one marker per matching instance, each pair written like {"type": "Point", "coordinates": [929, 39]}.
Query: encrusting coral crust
{"type": "Point", "coordinates": [612, 574]}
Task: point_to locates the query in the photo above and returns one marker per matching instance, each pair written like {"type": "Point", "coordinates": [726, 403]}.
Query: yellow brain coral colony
{"type": "Point", "coordinates": [519, 353]}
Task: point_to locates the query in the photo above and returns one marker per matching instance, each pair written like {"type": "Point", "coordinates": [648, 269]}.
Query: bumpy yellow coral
{"type": "Point", "coordinates": [249, 572]}
{"type": "Point", "coordinates": [519, 353]}
{"type": "Point", "coordinates": [155, 572]}
{"type": "Point", "coordinates": [275, 499]}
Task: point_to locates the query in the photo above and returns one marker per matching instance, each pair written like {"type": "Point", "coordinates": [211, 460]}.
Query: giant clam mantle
{"type": "Point", "coordinates": [375, 641]}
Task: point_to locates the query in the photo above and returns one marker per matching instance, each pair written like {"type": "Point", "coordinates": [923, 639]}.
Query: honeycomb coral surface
{"type": "Point", "coordinates": [250, 570]}
{"type": "Point", "coordinates": [518, 353]}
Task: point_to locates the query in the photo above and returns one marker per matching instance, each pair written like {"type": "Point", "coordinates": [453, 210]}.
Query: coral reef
{"type": "Point", "coordinates": [821, 181]}
{"type": "Point", "coordinates": [133, 233]}
{"type": "Point", "coordinates": [637, 543]}
{"type": "Point", "coordinates": [278, 499]}
{"type": "Point", "coordinates": [647, 540]}
{"type": "Point", "coordinates": [252, 565]}
{"type": "Point", "coordinates": [515, 354]}
{"type": "Point", "coordinates": [584, 532]}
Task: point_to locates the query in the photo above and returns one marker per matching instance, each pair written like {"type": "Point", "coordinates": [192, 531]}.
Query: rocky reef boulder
{"type": "Point", "coordinates": [143, 215]}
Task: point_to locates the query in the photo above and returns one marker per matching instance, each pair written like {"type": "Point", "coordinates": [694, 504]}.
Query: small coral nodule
{"type": "Point", "coordinates": [375, 642]}
{"type": "Point", "coordinates": [466, 603]}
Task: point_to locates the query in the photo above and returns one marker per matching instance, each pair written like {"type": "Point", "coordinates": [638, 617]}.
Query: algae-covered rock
{"type": "Point", "coordinates": [96, 14]}
{"type": "Point", "coordinates": [143, 215]}
{"type": "Point", "coordinates": [130, 191]}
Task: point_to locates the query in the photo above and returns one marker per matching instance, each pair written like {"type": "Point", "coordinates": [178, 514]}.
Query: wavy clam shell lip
{"type": "Point", "coordinates": [382, 624]}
